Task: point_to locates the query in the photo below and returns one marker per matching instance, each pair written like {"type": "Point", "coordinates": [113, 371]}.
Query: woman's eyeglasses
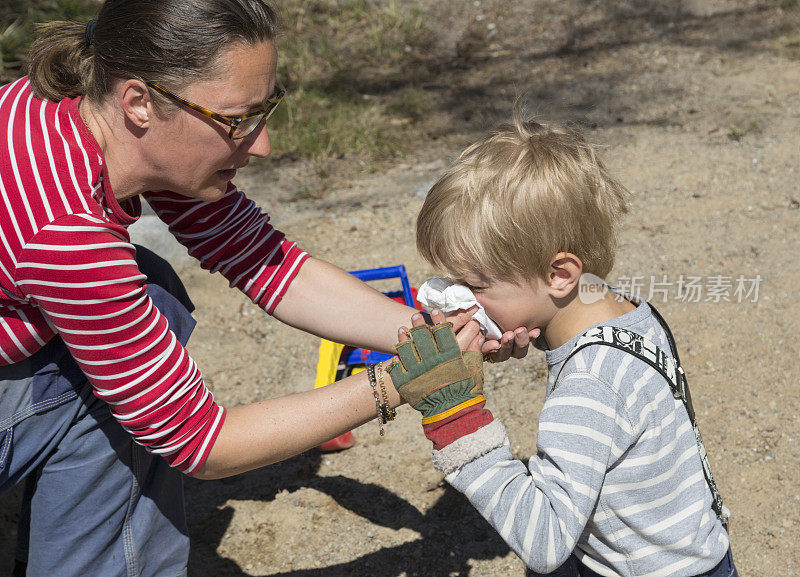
{"type": "Point", "coordinates": [240, 126]}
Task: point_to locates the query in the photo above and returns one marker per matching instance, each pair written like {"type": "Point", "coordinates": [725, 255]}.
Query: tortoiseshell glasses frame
{"type": "Point", "coordinates": [240, 126]}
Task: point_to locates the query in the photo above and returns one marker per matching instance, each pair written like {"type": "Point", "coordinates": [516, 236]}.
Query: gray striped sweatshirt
{"type": "Point", "coordinates": [617, 478]}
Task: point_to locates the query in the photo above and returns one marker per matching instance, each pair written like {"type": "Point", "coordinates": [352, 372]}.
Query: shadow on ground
{"type": "Point", "coordinates": [452, 532]}
{"type": "Point", "coordinates": [549, 57]}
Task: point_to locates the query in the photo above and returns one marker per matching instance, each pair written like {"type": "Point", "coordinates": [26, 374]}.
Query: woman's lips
{"type": "Point", "coordinates": [227, 174]}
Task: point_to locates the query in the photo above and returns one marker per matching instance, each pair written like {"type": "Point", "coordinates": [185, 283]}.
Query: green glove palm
{"type": "Point", "coordinates": [433, 376]}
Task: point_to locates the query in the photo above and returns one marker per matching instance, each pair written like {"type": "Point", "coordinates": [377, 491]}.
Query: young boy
{"type": "Point", "coordinates": [617, 486]}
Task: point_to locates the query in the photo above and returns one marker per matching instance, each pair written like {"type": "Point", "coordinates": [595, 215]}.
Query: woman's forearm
{"type": "Point", "coordinates": [268, 431]}
{"type": "Point", "coordinates": [331, 303]}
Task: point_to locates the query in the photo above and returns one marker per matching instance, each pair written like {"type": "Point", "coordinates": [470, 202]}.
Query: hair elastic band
{"type": "Point", "coordinates": [89, 32]}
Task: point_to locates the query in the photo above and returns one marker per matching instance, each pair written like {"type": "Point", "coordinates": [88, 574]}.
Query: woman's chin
{"type": "Point", "coordinates": [214, 195]}
{"type": "Point", "coordinates": [210, 193]}
{"type": "Point", "coordinates": [215, 188]}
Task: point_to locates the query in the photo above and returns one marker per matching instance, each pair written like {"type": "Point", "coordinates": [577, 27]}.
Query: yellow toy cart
{"type": "Point", "coordinates": [337, 361]}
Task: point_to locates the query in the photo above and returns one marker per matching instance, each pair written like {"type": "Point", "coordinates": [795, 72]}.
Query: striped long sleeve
{"type": "Point", "coordinates": [233, 237]}
{"type": "Point", "coordinates": [541, 509]}
{"type": "Point", "coordinates": [84, 278]}
{"type": "Point", "coordinates": [617, 478]}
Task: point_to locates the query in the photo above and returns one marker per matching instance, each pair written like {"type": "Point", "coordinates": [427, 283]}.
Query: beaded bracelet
{"type": "Point", "coordinates": [374, 384]}
{"type": "Point", "coordinates": [389, 414]}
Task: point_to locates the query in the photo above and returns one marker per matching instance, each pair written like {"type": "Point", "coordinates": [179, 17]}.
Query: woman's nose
{"type": "Point", "coordinates": [257, 143]}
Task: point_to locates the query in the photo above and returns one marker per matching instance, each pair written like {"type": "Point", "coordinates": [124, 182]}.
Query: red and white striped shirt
{"type": "Point", "coordinates": [67, 267]}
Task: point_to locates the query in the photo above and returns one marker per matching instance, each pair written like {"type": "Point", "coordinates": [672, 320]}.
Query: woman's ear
{"type": "Point", "coordinates": [564, 275]}
{"type": "Point", "coordinates": [136, 103]}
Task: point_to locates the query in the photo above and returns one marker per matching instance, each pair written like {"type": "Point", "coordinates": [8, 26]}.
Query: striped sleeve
{"type": "Point", "coordinates": [232, 236]}
{"type": "Point", "coordinates": [81, 272]}
{"type": "Point", "coordinates": [541, 510]}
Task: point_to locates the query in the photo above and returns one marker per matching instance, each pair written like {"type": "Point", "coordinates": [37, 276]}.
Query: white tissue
{"type": "Point", "coordinates": [444, 294]}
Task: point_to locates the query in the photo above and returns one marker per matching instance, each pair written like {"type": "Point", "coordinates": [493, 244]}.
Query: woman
{"type": "Point", "coordinates": [101, 407]}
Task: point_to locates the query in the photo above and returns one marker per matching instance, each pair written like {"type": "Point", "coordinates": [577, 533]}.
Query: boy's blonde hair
{"type": "Point", "coordinates": [518, 197]}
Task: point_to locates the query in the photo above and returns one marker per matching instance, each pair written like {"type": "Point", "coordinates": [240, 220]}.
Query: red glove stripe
{"type": "Point", "coordinates": [466, 421]}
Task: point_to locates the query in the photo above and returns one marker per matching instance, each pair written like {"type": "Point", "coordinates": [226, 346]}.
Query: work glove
{"type": "Point", "coordinates": [446, 386]}
{"type": "Point", "coordinates": [433, 376]}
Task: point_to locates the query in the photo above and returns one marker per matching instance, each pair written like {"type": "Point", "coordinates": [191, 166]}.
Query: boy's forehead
{"type": "Point", "coordinates": [484, 279]}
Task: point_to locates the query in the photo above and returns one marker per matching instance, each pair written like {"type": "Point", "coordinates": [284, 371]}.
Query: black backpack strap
{"type": "Point", "coordinates": [668, 366]}
{"type": "Point", "coordinates": [636, 345]}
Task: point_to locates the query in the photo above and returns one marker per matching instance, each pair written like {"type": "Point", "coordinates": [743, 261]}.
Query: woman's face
{"type": "Point", "coordinates": [190, 153]}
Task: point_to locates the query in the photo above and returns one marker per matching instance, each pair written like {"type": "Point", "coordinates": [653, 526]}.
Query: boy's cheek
{"type": "Point", "coordinates": [498, 318]}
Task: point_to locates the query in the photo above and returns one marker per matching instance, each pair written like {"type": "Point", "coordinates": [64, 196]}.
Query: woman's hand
{"type": "Point", "coordinates": [468, 332]}
{"type": "Point", "coordinates": [433, 373]}
{"type": "Point", "coordinates": [511, 344]}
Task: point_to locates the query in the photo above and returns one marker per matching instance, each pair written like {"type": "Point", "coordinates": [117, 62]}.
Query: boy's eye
{"type": "Point", "coordinates": [470, 286]}
{"type": "Point", "coordinates": [473, 288]}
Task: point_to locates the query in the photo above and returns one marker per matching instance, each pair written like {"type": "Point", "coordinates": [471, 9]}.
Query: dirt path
{"type": "Point", "coordinates": [698, 107]}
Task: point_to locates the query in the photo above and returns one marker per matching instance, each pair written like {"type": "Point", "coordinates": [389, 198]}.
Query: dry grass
{"type": "Point", "coordinates": [341, 61]}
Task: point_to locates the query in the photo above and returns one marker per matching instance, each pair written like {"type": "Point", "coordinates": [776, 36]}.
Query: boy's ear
{"type": "Point", "coordinates": [564, 275]}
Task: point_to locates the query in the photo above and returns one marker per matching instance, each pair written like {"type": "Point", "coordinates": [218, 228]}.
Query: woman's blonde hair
{"type": "Point", "coordinates": [518, 197]}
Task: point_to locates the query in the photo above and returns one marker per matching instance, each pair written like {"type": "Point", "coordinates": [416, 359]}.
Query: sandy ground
{"type": "Point", "coordinates": [697, 107]}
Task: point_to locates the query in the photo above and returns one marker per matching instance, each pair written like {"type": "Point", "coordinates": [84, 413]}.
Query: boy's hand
{"type": "Point", "coordinates": [432, 375]}
{"type": "Point", "coordinates": [511, 344]}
